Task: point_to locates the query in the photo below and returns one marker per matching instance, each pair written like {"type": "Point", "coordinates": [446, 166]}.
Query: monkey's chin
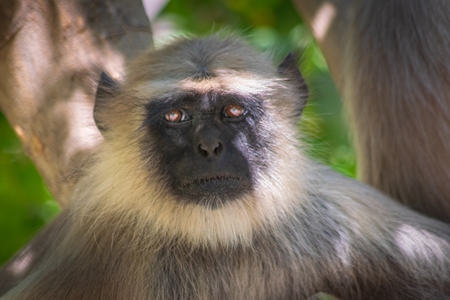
{"type": "Point", "coordinates": [213, 192]}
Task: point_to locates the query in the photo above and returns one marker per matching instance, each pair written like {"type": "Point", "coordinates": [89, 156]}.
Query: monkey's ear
{"type": "Point", "coordinates": [106, 90]}
{"type": "Point", "coordinates": [289, 70]}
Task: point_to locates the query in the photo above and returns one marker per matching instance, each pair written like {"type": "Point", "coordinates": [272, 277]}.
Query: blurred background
{"type": "Point", "coordinates": [270, 25]}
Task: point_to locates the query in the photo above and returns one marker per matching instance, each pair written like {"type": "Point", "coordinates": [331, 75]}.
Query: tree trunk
{"type": "Point", "coordinates": [51, 54]}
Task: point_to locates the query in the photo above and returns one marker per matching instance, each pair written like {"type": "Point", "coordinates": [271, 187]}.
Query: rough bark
{"type": "Point", "coordinates": [51, 53]}
{"type": "Point", "coordinates": [329, 22]}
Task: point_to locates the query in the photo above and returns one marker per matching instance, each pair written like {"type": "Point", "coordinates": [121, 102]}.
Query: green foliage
{"type": "Point", "coordinates": [271, 25]}
{"type": "Point", "coordinates": [25, 203]}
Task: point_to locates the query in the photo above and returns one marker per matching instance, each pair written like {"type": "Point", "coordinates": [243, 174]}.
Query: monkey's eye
{"type": "Point", "coordinates": [176, 115]}
{"type": "Point", "coordinates": [233, 111]}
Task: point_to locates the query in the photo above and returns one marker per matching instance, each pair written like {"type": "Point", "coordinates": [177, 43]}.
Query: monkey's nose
{"type": "Point", "coordinates": [210, 149]}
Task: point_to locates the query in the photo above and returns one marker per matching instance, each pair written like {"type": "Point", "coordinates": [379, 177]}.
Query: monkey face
{"type": "Point", "coordinates": [212, 118]}
{"type": "Point", "coordinates": [200, 141]}
{"type": "Point", "coordinates": [209, 144]}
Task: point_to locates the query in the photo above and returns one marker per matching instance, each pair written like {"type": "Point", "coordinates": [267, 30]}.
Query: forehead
{"type": "Point", "coordinates": [237, 87]}
{"type": "Point", "coordinates": [203, 64]}
{"type": "Point", "coordinates": [202, 67]}
{"type": "Point", "coordinates": [199, 58]}
{"type": "Point", "coordinates": [210, 101]}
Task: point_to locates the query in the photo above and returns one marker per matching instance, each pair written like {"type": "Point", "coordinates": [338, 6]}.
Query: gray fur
{"type": "Point", "coordinates": [305, 229]}
{"type": "Point", "coordinates": [397, 89]}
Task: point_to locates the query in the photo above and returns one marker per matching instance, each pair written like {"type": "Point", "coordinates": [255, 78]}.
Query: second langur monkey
{"type": "Point", "coordinates": [201, 191]}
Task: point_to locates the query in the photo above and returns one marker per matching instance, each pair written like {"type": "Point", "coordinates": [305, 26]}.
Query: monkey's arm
{"type": "Point", "coordinates": [374, 244]}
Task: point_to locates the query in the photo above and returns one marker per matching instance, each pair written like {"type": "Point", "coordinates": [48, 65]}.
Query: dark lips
{"type": "Point", "coordinates": [214, 191]}
{"type": "Point", "coordinates": [212, 180]}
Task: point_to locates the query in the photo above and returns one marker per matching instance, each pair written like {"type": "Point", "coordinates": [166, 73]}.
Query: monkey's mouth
{"type": "Point", "coordinates": [213, 180]}
{"type": "Point", "coordinates": [214, 191]}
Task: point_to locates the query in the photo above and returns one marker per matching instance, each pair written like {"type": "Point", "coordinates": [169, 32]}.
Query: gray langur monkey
{"type": "Point", "coordinates": [201, 191]}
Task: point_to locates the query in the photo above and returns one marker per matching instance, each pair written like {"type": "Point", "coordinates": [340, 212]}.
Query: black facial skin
{"type": "Point", "coordinates": [207, 157]}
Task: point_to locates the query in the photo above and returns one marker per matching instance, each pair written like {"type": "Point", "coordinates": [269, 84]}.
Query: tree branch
{"type": "Point", "coordinates": [329, 22]}
{"type": "Point", "coordinates": [51, 53]}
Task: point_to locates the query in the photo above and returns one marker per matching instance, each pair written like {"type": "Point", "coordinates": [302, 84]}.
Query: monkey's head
{"type": "Point", "coordinates": [200, 139]}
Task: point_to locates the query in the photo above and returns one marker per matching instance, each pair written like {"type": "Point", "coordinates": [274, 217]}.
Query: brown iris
{"type": "Point", "coordinates": [174, 116]}
{"type": "Point", "coordinates": [233, 111]}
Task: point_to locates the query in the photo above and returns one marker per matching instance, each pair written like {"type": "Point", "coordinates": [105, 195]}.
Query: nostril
{"type": "Point", "coordinates": [210, 149]}
{"type": "Point", "coordinates": [218, 149]}
{"type": "Point", "coordinates": [202, 151]}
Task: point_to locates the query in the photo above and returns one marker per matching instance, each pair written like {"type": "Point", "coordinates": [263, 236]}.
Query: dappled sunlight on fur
{"type": "Point", "coordinates": [294, 229]}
